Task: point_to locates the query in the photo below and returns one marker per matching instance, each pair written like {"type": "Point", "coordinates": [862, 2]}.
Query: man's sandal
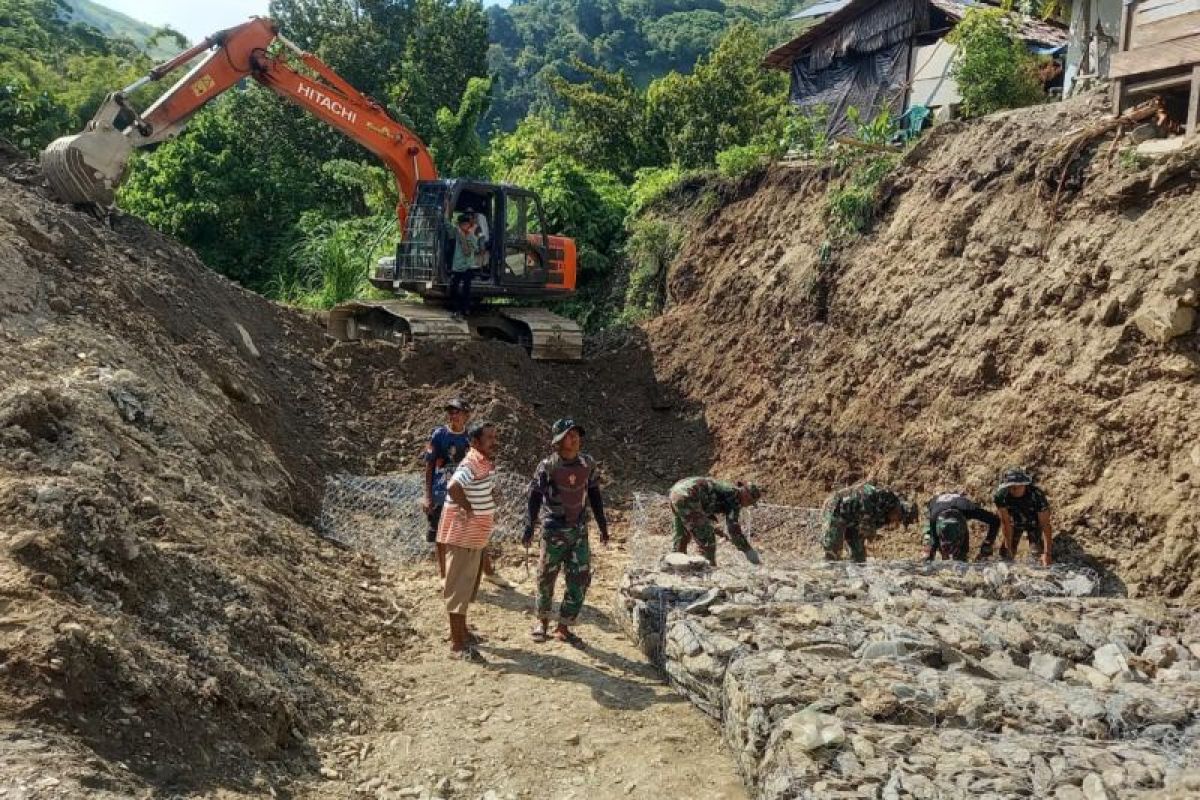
{"type": "Point", "coordinates": [569, 637]}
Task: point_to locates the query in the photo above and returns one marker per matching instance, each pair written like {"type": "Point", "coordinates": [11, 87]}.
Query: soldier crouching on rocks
{"type": "Point", "coordinates": [1024, 512]}
{"type": "Point", "coordinates": [695, 503]}
{"type": "Point", "coordinates": [852, 516]}
{"type": "Point", "coordinates": [947, 532]}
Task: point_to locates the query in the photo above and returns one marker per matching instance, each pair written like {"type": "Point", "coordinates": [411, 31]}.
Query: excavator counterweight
{"type": "Point", "coordinates": [521, 260]}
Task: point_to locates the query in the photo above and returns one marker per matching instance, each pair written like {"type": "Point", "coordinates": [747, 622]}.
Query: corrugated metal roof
{"type": "Point", "coordinates": [1032, 30]}
{"type": "Point", "coordinates": [820, 9]}
{"type": "Point", "coordinates": [781, 57]}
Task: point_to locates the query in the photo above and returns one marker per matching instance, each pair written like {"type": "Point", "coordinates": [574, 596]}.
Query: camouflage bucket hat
{"type": "Point", "coordinates": [457, 404]}
{"type": "Point", "coordinates": [560, 428]}
{"type": "Point", "coordinates": [1014, 476]}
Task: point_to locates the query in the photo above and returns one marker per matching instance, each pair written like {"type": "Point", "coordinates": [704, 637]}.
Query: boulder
{"type": "Point", "coordinates": [1162, 318]}
{"type": "Point", "coordinates": [1047, 666]}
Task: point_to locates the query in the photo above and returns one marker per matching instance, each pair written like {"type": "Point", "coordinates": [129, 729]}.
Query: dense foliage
{"type": "Point", "coordinates": [619, 149]}
{"type": "Point", "coordinates": [54, 73]}
{"type": "Point", "coordinates": [535, 41]}
{"type": "Point", "coordinates": [992, 67]}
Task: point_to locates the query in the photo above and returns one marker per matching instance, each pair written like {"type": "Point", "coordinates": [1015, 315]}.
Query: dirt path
{"type": "Point", "coordinates": [538, 721]}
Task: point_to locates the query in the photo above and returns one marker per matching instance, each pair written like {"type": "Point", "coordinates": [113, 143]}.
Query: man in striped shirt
{"type": "Point", "coordinates": [464, 530]}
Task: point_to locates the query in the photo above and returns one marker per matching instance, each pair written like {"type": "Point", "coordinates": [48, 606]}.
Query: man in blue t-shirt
{"type": "Point", "coordinates": [447, 445]}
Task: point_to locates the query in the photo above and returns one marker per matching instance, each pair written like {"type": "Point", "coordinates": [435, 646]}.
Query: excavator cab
{"type": "Point", "coordinates": [521, 261]}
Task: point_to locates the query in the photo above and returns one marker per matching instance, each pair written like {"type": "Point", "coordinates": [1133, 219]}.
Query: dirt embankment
{"type": "Point", "coordinates": [164, 438]}
{"type": "Point", "coordinates": [973, 328]}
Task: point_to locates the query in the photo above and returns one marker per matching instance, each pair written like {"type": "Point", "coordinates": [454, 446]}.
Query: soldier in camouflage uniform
{"type": "Point", "coordinates": [1024, 513]}
{"type": "Point", "coordinates": [947, 532]}
{"type": "Point", "coordinates": [563, 487]}
{"type": "Point", "coordinates": [852, 516]}
{"type": "Point", "coordinates": [696, 502]}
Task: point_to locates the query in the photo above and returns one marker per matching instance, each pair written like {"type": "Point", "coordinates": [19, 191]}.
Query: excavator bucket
{"type": "Point", "coordinates": [88, 167]}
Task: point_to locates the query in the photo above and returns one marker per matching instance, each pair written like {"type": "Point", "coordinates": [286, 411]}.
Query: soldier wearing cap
{"type": "Point", "coordinates": [446, 447]}
{"type": "Point", "coordinates": [563, 486]}
{"type": "Point", "coordinates": [854, 515]}
{"type": "Point", "coordinates": [947, 532]}
{"type": "Point", "coordinates": [1024, 512]}
{"type": "Point", "coordinates": [695, 504]}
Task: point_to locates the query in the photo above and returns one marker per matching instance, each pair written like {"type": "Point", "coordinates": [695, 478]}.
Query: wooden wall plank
{"type": "Point", "coordinates": [1118, 88]}
{"type": "Point", "coordinates": [1165, 31]}
{"type": "Point", "coordinates": [1143, 15]}
{"type": "Point", "coordinates": [1146, 5]}
{"type": "Point", "coordinates": [1168, 55]}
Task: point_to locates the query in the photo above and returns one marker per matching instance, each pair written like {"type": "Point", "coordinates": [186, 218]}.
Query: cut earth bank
{"type": "Point", "coordinates": [170, 625]}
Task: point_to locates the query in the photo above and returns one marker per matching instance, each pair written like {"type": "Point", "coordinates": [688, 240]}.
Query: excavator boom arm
{"type": "Point", "coordinates": [253, 49]}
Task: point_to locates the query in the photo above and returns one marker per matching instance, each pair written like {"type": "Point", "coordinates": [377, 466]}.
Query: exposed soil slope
{"type": "Point", "coordinates": [164, 438]}
{"type": "Point", "coordinates": [973, 328]}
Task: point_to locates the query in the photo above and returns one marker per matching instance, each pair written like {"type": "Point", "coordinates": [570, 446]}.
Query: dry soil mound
{"type": "Point", "coordinates": [164, 435]}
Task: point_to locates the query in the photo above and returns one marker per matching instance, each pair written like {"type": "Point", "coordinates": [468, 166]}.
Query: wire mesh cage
{"type": "Point", "coordinates": [382, 514]}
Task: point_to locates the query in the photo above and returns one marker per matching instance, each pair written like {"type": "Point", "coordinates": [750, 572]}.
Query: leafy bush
{"type": "Point", "coordinates": [651, 185]}
{"type": "Point", "coordinates": [330, 264]}
{"type": "Point", "coordinates": [991, 65]}
{"type": "Point", "coordinates": [651, 247]}
{"type": "Point", "coordinates": [587, 205]}
{"type": "Point", "coordinates": [805, 132]}
{"type": "Point", "coordinates": [851, 207]}
{"type": "Point", "coordinates": [880, 129]}
{"type": "Point", "coordinates": [741, 160]}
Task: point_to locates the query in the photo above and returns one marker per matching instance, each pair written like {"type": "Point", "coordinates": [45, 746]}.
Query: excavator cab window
{"type": "Point", "coordinates": [525, 244]}
{"type": "Point", "coordinates": [419, 252]}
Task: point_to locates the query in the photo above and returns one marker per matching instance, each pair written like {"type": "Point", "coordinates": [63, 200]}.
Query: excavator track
{"type": "Point", "coordinates": [551, 337]}
{"type": "Point", "coordinates": [544, 335]}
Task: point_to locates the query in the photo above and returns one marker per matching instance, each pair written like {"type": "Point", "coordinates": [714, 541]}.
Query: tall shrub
{"type": "Point", "coordinates": [992, 66]}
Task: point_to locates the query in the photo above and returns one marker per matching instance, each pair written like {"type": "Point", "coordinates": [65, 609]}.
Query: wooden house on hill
{"type": "Point", "coordinates": [877, 54]}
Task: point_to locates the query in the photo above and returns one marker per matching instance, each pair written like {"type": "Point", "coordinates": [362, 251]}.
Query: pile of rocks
{"type": "Point", "coordinates": [910, 680]}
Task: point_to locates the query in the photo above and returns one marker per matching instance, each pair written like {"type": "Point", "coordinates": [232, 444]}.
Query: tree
{"type": "Point", "coordinates": [54, 74]}
{"type": "Point", "coordinates": [516, 156]}
{"type": "Point", "coordinates": [343, 34]}
{"type": "Point", "coordinates": [236, 183]}
{"type": "Point", "coordinates": [456, 145]}
{"type": "Point", "coordinates": [728, 100]}
{"type": "Point", "coordinates": [445, 47]}
{"type": "Point", "coordinates": [992, 67]}
{"type": "Point", "coordinates": [606, 121]}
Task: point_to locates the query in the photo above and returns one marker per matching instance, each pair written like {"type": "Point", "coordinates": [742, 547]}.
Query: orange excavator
{"type": "Point", "coordinates": [522, 261]}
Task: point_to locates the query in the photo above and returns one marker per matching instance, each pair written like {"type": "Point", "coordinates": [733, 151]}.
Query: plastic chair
{"type": "Point", "coordinates": [910, 123]}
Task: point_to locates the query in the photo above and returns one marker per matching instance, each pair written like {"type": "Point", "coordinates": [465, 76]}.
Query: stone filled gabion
{"type": "Point", "coordinates": [903, 679]}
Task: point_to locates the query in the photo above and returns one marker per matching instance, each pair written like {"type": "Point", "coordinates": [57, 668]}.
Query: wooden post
{"type": "Point", "coordinates": [1118, 95]}
{"type": "Point", "coordinates": [1193, 101]}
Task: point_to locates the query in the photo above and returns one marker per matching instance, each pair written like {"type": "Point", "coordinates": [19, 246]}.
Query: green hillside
{"type": "Point", "coordinates": [532, 40]}
{"type": "Point", "coordinates": [116, 25]}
